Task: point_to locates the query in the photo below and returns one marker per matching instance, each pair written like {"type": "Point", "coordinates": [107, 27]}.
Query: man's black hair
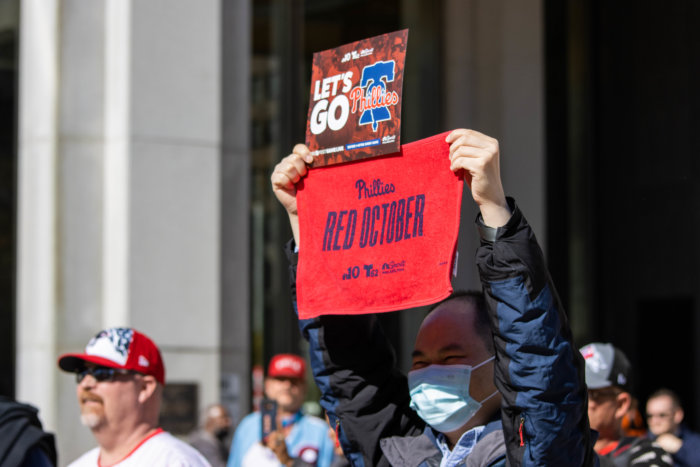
{"type": "Point", "coordinates": [482, 323]}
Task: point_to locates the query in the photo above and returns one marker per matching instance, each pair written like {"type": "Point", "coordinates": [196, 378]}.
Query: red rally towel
{"type": "Point", "coordinates": [378, 234]}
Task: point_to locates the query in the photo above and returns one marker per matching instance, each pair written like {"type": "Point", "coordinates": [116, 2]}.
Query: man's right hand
{"type": "Point", "coordinates": [284, 178]}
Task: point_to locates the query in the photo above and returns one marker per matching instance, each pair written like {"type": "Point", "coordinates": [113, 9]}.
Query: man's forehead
{"type": "Point", "coordinates": [283, 379]}
{"type": "Point", "coordinates": [217, 411]}
{"type": "Point", "coordinates": [449, 327]}
{"type": "Point", "coordinates": [440, 344]}
{"type": "Point", "coordinates": [449, 318]}
{"type": "Point", "coordinates": [448, 314]}
{"type": "Point", "coordinates": [661, 400]}
{"type": "Point", "coordinates": [446, 348]}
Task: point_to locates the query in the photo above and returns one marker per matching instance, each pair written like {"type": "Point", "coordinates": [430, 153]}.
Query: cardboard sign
{"type": "Point", "coordinates": [379, 234]}
{"type": "Point", "coordinates": [355, 103]}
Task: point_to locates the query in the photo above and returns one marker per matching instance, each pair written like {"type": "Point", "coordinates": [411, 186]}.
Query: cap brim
{"type": "Point", "coordinates": [599, 385]}
{"type": "Point", "coordinates": [73, 362]}
{"type": "Point", "coordinates": [284, 374]}
{"type": "Point", "coordinates": [594, 382]}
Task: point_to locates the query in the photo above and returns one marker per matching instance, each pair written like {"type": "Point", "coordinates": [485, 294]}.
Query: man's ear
{"type": "Point", "coordinates": [147, 389]}
{"type": "Point", "coordinates": [678, 415]}
{"type": "Point", "coordinates": [624, 402]}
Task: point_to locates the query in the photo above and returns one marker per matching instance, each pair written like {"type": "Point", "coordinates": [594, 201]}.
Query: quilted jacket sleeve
{"type": "Point", "coordinates": [538, 370]}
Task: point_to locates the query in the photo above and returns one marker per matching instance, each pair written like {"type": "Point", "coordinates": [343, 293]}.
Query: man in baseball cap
{"type": "Point", "coordinates": [298, 436]}
{"type": "Point", "coordinates": [608, 377]}
{"type": "Point", "coordinates": [120, 379]}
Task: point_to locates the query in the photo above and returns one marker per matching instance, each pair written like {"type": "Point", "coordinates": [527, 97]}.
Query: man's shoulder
{"type": "Point", "coordinates": [248, 428]}
{"type": "Point", "coordinates": [690, 449]}
{"type": "Point", "coordinates": [491, 448]}
{"type": "Point", "coordinates": [411, 450]}
{"type": "Point", "coordinates": [687, 434]}
{"type": "Point", "coordinates": [250, 419]}
{"type": "Point", "coordinates": [166, 439]}
{"type": "Point", "coordinates": [161, 449]}
{"type": "Point", "coordinates": [247, 434]}
{"type": "Point", "coordinates": [165, 449]}
{"type": "Point", "coordinates": [87, 459]}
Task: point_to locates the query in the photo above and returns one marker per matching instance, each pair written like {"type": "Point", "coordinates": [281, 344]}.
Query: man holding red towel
{"type": "Point", "coordinates": [495, 377]}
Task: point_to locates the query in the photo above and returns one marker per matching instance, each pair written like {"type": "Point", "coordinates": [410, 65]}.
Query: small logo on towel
{"type": "Point", "coordinates": [393, 266]}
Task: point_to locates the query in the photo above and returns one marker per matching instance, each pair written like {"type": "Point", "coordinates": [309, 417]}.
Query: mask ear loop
{"type": "Point", "coordinates": [489, 397]}
{"type": "Point", "coordinates": [483, 363]}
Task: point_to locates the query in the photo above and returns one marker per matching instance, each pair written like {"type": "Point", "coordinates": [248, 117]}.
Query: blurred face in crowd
{"type": "Point", "coordinates": [218, 421]}
{"type": "Point", "coordinates": [663, 416]}
{"type": "Point", "coordinates": [288, 392]}
{"type": "Point", "coordinates": [606, 408]}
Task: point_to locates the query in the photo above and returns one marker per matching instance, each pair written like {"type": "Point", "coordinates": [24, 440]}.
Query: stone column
{"type": "Point", "coordinates": [36, 233]}
{"type": "Point", "coordinates": [120, 189]}
{"type": "Point", "coordinates": [494, 84]}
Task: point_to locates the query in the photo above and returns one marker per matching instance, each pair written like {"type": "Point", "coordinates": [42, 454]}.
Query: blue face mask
{"type": "Point", "coordinates": [440, 395]}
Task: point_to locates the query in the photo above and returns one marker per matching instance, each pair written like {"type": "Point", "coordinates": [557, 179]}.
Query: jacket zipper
{"type": "Point", "coordinates": [337, 432]}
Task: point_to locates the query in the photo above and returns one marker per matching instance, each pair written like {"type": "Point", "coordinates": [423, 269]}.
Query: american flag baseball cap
{"type": "Point", "coordinates": [124, 348]}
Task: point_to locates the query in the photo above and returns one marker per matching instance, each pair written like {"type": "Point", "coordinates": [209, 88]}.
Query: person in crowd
{"type": "Point", "coordinates": [212, 437]}
{"type": "Point", "coordinates": [608, 377]}
{"type": "Point", "coordinates": [665, 420]}
{"type": "Point", "coordinates": [495, 377]}
{"type": "Point", "coordinates": [23, 441]}
{"type": "Point", "coordinates": [120, 379]}
{"type": "Point", "coordinates": [304, 438]}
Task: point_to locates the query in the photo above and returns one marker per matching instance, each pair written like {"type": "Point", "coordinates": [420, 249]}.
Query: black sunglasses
{"type": "Point", "coordinates": [101, 373]}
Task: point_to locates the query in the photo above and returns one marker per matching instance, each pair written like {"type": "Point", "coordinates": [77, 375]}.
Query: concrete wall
{"type": "Point", "coordinates": [119, 191]}
{"type": "Point", "coordinates": [494, 83]}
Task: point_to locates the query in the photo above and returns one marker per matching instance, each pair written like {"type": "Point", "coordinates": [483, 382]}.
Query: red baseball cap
{"type": "Point", "coordinates": [124, 348]}
{"type": "Point", "coordinates": [286, 365]}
